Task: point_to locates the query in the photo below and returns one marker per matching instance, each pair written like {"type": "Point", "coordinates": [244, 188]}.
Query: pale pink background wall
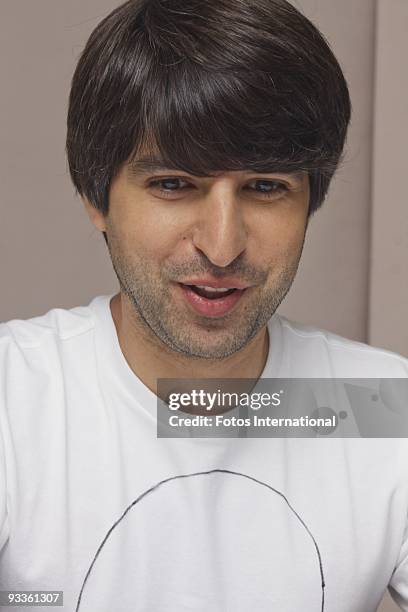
{"type": "Point", "coordinates": [389, 229]}
{"type": "Point", "coordinates": [353, 277]}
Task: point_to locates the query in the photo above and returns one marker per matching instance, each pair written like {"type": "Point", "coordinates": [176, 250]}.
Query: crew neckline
{"type": "Point", "coordinates": [117, 375]}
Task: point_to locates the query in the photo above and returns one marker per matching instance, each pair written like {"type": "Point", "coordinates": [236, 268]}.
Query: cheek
{"type": "Point", "coordinates": [144, 234]}
{"type": "Point", "coordinates": [160, 231]}
{"type": "Point", "coordinates": [278, 239]}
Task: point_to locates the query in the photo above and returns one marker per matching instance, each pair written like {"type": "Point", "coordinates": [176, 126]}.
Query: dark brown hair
{"type": "Point", "coordinates": [210, 85]}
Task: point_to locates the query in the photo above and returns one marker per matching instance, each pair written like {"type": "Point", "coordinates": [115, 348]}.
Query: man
{"type": "Point", "coordinates": [201, 136]}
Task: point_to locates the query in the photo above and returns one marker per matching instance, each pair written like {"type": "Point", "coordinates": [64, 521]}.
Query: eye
{"type": "Point", "coordinates": [269, 188]}
{"type": "Point", "coordinates": [168, 186]}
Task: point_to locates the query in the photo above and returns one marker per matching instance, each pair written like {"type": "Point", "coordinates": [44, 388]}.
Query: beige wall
{"type": "Point", "coordinates": [389, 244]}
{"type": "Point", "coordinates": [353, 277]}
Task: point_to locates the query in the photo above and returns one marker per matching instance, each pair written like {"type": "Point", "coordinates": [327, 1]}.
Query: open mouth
{"type": "Point", "coordinates": [210, 293]}
{"type": "Point", "coordinates": [211, 301]}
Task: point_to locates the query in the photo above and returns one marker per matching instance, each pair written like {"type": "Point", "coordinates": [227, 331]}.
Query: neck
{"type": "Point", "coordinates": [150, 359]}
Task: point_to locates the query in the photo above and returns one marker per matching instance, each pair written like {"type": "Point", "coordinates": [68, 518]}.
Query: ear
{"type": "Point", "coordinates": [97, 218]}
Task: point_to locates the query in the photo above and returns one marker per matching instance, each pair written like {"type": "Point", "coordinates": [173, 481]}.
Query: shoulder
{"type": "Point", "coordinates": [57, 324]}
{"type": "Point", "coordinates": [337, 356]}
{"type": "Point", "coordinates": [43, 360]}
{"type": "Point", "coordinates": [52, 332]}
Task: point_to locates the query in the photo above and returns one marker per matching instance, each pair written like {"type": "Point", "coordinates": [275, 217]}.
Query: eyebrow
{"type": "Point", "coordinates": [145, 165]}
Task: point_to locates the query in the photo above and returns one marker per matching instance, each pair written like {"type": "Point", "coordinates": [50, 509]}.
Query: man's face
{"type": "Point", "coordinates": [170, 232]}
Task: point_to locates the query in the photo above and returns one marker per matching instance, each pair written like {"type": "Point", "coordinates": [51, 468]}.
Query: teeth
{"type": "Point", "coordinates": [218, 290]}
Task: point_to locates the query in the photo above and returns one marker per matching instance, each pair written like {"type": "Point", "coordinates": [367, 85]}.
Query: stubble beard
{"type": "Point", "coordinates": [194, 336]}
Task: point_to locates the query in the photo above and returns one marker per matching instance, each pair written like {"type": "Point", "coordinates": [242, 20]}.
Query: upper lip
{"type": "Point", "coordinates": [216, 283]}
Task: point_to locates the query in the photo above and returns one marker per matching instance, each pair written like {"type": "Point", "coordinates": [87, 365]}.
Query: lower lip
{"type": "Point", "coordinates": [211, 308]}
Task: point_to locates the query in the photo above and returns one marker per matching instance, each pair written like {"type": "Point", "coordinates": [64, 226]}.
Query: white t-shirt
{"type": "Point", "coordinates": [93, 504]}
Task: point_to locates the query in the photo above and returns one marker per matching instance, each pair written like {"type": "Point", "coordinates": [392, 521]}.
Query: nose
{"type": "Point", "coordinates": [220, 231]}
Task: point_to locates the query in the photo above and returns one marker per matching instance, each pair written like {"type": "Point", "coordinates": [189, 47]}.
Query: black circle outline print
{"type": "Point", "coordinates": [194, 474]}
